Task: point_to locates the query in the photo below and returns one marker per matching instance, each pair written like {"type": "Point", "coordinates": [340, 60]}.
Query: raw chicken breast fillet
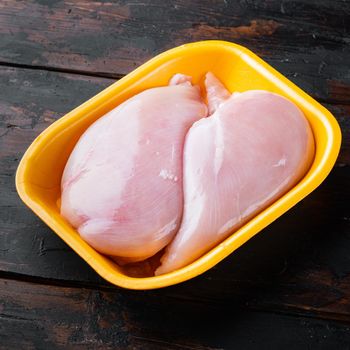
{"type": "Point", "coordinates": [254, 147]}
{"type": "Point", "coordinates": [122, 185]}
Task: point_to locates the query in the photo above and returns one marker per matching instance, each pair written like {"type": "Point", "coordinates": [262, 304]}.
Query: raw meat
{"type": "Point", "coordinates": [254, 148]}
{"type": "Point", "coordinates": [122, 185]}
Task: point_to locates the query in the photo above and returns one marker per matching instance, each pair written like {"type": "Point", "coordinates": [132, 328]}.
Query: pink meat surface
{"type": "Point", "coordinates": [253, 148]}
{"type": "Point", "coordinates": [122, 185]}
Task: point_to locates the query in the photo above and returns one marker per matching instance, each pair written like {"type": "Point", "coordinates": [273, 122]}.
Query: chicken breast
{"type": "Point", "coordinates": [253, 148]}
{"type": "Point", "coordinates": [122, 185]}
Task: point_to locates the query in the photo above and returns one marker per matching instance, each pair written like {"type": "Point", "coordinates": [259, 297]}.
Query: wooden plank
{"type": "Point", "coordinates": [35, 316]}
{"type": "Point", "coordinates": [30, 101]}
{"type": "Point", "coordinates": [300, 263]}
{"type": "Point", "coordinates": [306, 41]}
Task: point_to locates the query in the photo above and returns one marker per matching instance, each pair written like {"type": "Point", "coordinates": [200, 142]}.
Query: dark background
{"type": "Point", "coordinates": [287, 287]}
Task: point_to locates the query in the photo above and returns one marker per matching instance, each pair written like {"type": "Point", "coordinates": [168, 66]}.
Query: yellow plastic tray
{"type": "Point", "coordinates": [39, 173]}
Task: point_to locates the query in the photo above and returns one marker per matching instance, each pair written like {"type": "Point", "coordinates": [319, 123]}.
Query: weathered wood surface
{"type": "Point", "coordinates": [55, 55]}
{"type": "Point", "coordinates": [36, 316]}
{"type": "Point", "coordinates": [307, 40]}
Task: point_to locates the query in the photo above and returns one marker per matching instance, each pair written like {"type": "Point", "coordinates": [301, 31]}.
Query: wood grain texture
{"type": "Point", "coordinates": [30, 101]}
{"type": "Point", "coordinates": [299, 264]}
{"type": "Point", "coordinates": [35, 316]}
{"type": "Point", "coordinates": [308, 41]}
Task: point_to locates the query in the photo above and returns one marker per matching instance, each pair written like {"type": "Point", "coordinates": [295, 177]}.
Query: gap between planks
{"type": "Point", "coordinates": [116, 76]}
{"type": "Point", "coordinates": [287, 310]}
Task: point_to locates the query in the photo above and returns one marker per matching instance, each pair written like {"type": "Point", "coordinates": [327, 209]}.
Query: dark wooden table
{"type": "Point", "coordinates": [287, 287]}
